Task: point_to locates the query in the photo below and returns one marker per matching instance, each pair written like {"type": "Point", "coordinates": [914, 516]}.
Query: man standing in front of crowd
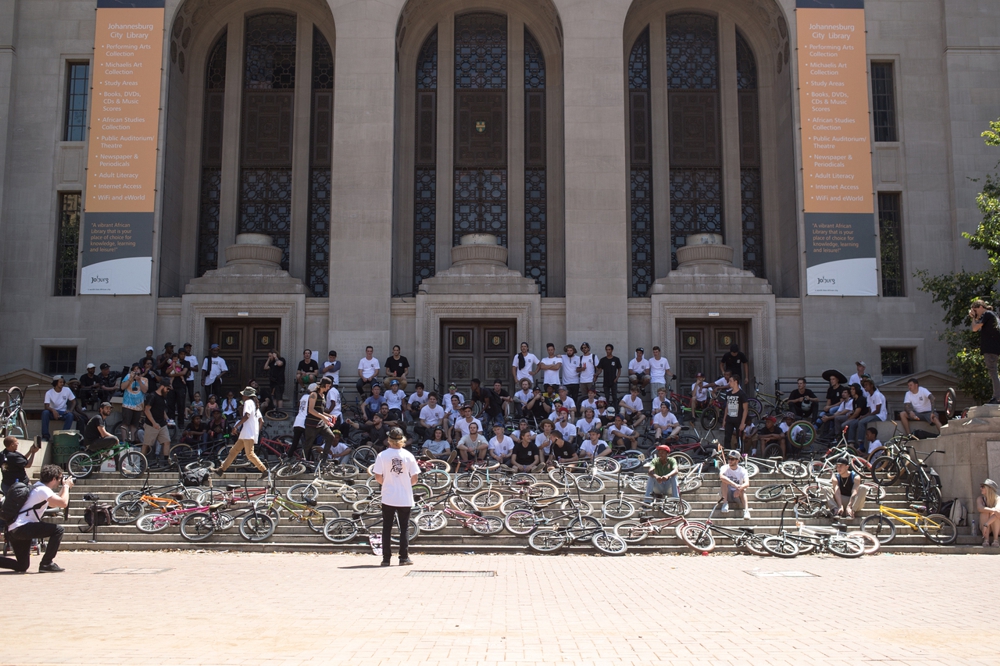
{"type": "Point", "coordinates": [611, 368]}
{"type": "Point", "coordinates": [193, 362]}
{"type": "Point", "coordinates": [396, 471]}
{"type": "Point", "coordinates": [985, 322]}
{"type": "Point", "coordinates": [550, 366]}
{"type": "Point", "coordinates": [246, 431]}
{"type": "Point", "coordinates": [659, 371]}
{"type": "Point", "coordinates": [155, 429]}
{"type": "Point", "coordinates": [28, 524]}
{"type": "Point", "coordinates": [213, 370]}
{"type": "Point", "coordinates": [737, 409]}
{"type": "Point", "coordinates": [571, 371]}
{"type": "Point", "coordinates": [368, 368]}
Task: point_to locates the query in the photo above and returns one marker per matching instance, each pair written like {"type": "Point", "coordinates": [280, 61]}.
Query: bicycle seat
{"type": "Point", "coordinates": [90, 497]}
{"type": "Point", "coordinates": [232, 486]}
{"type": "Point", "coordinates": [749, 530]}
{"type": "Point", "coordinates": [217, 506]}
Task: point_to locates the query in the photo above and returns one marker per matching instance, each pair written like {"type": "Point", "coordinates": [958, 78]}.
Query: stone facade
{"type": "Point", "coordinates": [944, 55]}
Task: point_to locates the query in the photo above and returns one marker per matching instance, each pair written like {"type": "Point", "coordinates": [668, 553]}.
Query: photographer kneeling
{"type": "Point", "coordinates": [28, 525]}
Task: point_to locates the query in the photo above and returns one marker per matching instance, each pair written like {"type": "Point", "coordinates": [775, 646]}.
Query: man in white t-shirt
{"type": "Point", "coordinates": [417, 399]}
{"type": "Point", "coordinates": [213, 369]}
{"type": "Point", "coordinates": [631, 407]}
{"type": "Point", "coordinates": [550, 366]}
{"type": "Point", "coordinates": [28, 524]}
{"type": "Point", "coordinates": [620, 435]}
{"type": "Point", "coordinates": [465, 421]}
{"type": "Point", "coordinates": [859, 374]}
{"type": "Point", "coordinates": [500, 445]}
{"type": "Point", "coordinates": [566, 400]}
{"type": "Point", "coordinates": [665, 424]}
{"type": "Point", "coordinates": [638, 371]}
{"type": "Point", "coordinates": [659, 370]}
{"type": "Point", "coordinates": [331, 367]}
{"type": "Point", "coordinates": [246, 430]}
{"type": "Point", "coordinates": [659, 399]}
{"type": "Point", "coordinates": [368, 369]}
{"type": "Point", "coordinates": [396, 470]}
{"type": "Point", "coordinates": [588, 369]}
{"type": "Point", "coordinates": [918, 405]}
{"type": "Point", "coordinates": [878, 409]}
{"type": "Point", "coordinates": [431, 416]}
{"type": "Point", "coordinates": [395, 398]}
{"type": "Point", "coordinates": [193, 363]}
{"type": "Point", "coordinates": [525, 365]}
{"type": "Point", "coordinates": [593, 446]}
{"type": "Point", "coordinates": [565, 427]}
{"type": "Point", "coordinates": [523, 397]}
{"type": "Point", "coordinates": [472, 444]}
{"type": "Point", "coordinates": [59, 403]}
{"type": "Point", "coordinates": [588, 422]}
{"type": "Point", "coordinates": [733, 484]}
{"type": "Point", "coordinates": [701, 391]}
{"type": "Point", "coordinates": [299, 424]}
{"type": "Point", "coordinates": [570, 371]}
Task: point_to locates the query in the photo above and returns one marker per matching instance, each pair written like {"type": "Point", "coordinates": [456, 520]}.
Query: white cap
{"type": "Point", "coordinates": [90, 365]}
{"type": "Point", "coordinates": [149, 349]}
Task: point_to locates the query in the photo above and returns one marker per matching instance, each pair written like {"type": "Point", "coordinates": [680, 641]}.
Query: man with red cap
{"type": "Point", "coordinates": [662, 474]}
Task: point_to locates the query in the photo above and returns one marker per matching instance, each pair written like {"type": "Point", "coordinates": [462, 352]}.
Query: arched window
{"type": "Point", "coordinates": [750, 186]}
{"type": "Point", "coordinates": [211, 158]}
{"type": "Point", "coordinates": [425, 174]}
{"type": "Point", "coordinates": [320, 163]}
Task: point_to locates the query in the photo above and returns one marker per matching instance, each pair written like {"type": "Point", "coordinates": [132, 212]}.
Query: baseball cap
{"type": "Point", "coordinates": [213, 346]}
{"type": "Point", "coordinates": [699, 374]}
{"type": "Point", "coordinates": [562, 387]}
{"type": "Point", "coordinates": [312, 387]}
{"type": "Point", "coordinates": [861, 363]}
{"type": "Point", "coordinates": [104, 366]}
{"type": "Point", "coordinates": [105, 404]}
{"type": "Point", "coordinates": [90, 365]}
{"type": "Point", "coordinates": [733, 453]}
{"type": "Point", "coordinates": [663, 447]}
{"type": "Point", "coordinates": [186, 344]}
{"type": "Point", "coordinates": [150, 348]}
{"type": "Point", "coordinates": [167, 344]}
{"type": "Point", "coordinates": [640, 349]}
{"type": "Point", "coordinates": [394, 383]}
{"type": "Point", "coordinates": [452, 385]}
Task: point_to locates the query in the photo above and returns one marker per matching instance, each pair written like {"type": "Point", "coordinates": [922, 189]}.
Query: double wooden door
{"type": "Point", "coordinates": [244, 345]}
{"type": "Point", "coordinates": [700, 347]}
{"type": "Point", "coordinates": [476, 350]}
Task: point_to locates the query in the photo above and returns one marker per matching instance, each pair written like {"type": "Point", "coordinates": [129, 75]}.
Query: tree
{"type": "Point", "coordinates": [956, 291]}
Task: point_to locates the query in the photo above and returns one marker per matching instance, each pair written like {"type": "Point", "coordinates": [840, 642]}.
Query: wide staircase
{"type": "Point", "coordinates": [297, 536]}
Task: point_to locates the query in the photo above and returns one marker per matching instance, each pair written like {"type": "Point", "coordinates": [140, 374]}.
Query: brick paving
{"type": "Point", "coordinates": [291, 609]}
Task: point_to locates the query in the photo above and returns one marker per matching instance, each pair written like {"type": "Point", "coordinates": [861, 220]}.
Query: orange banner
{"type": "Point", "coordinates": [833, 105]}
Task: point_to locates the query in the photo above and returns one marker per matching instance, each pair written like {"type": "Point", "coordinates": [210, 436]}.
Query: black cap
{"type": "Point", "coordinates": [104, 366]}
{"type": "Point", "coordinates": [186, 344]}
{"type": "Point", "coordinates": [640, 349]}
{"type": "Point", "coordinates": [167, 344]}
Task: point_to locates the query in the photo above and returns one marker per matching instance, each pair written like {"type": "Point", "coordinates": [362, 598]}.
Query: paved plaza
{"type": "Point", "coordinates": [204, 608]}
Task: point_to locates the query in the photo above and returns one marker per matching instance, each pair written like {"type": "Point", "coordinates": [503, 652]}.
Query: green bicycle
{"type": "Point", "coordinates": [131, 464]}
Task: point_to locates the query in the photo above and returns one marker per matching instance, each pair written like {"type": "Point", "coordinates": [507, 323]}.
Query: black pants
{"type": "Point", "coordinates": [190, 390]}
{"type": "Point", "coordinates": [812, 413]}
{"type": "Point", "coordinates": [175, 406]}
{"type": "Point", "coordinates": [402, 513]}
{"type": "Point", "coordinates": [312, 434]}
{"type": "Point", "coordinates": [102, 443]}
{"type": "Point", "coordinates": [20, 541]}
{"type": "Point", "coordinates": [573, 391]}
{"type": "Point", "coordinates": [611, 393]}
{"type": "Point", "coordinates": [296, 440]}
{"type": "Point", "coordinates": [732, 427]}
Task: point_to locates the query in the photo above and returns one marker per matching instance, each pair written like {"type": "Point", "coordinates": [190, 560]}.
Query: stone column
{"type": "Point", "coordinates": [301, 130]}
{"type": "Point", "coordinates": [8, 56]}
{"type": "Point", "coordinates": [597, 252]}
{"type": "Point", "coordinates": [732, 210]}
{"type": "Point", "coordinates": [229, 193]}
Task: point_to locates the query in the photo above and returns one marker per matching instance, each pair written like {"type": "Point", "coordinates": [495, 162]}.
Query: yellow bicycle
{"type": "Point", "coordinates": [935, 527]}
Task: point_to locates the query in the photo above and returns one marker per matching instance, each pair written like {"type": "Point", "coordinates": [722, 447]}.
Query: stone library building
{"type": "Point", "coordinates": [457, 177]}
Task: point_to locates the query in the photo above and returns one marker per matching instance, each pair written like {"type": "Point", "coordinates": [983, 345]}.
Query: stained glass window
{"type": "Point", "coordinates": [641, 174]}
{"type": "Point", "coordinates": [320, 162]}
{"type": "Point", "coordinates": [211, 158]}
{"type": "Point", "coordinates": [751, 208]}
{"type": "Point", "coordinates": [535, 208]}
{"type": "Point", "coordinates": [425, 175]}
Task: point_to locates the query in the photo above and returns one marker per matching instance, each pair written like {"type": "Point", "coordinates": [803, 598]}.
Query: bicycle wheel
{"type": "Point", "coordinates": [351, 494]}
{"type": "Point", "coordinates": [618, 509]}
{"type": "Point", "coordinates": [770, 493]}
{"type": "Point", "coordinates": [631, 462]}
{"type": "Point", "coordinates": [522, 479]}
{"type": "Point", "coordinates": [432, 521]}
{"type": "Point", "coordinates": [462, 503]}
{"type": "Point", "coordinates": [435, 479]}
{"type": "Point", "coordinates": [697, 536]}
{"type": "Point", "coordinates": [683, 460]}
{"type": "Point", "coordinates": [127, 496]}
{"type": "Point", "coordinates": [182, 454]}
{"type": "Point", "coordinates": [755, 545]}
{"type": "Point", "coordinates": [546, 541]}
{"type": "Point", "coordinates": [369, 507]}
{"type": "Point", "coordinates": [80, 465]}
{"type": "Point", "coordinates": [151, 523]}
{"type": "Point", "coordinates": [885, 471]}
{"type": "Point", "coordinates": [301, 492]}
{"type": "Point", "coordinates": [589, 483]}
{"type": "Point", "coordinates": [606, 466]}
{"type": "Point", "coordinates": [801, 434]}
{"type": "Point", "coordinates": [932, 499]}
{"type": "Point", "coordinates": [674, 506]}
{"type": "Point", "coordinates": [561, 476]}
{"type": "Point", "coordinates": [197, 526]}
{"type": "Point", "coordinates": [440, 465]}
{"type": "Point", "coordinates": [319, 516]}
{"type": "Point", "coordinates": [256, 527]}
{"type": "Point", "coordinates": [512, 505]}
{"type": "Point", "coordinates": [879, 527]}
{"type": "Point", "coordinates": [772, 450]}
{"type": "Point", "coordinates": [520, 522]}
{"type": "Point", "coordinates": [751, 468]}
{"type": "Point", "coordinates": [689, 484]}
{"type": "Point", "coordinates": [638, 483]}
{"type": "Point", "coordinates": [609, 544]}
{"type": "Point", "coordinates": [579, 527]}
{"type": "Point", "coordinates": [421, 491]}
{"type": "Point", "coordinates": [487, 500]}
{"type": "Point", "coordinates": [755, 405]}
{"type": "Point", "coordinates": [949, 404]}
{"type": "Point", "coordinates": [937, 529]}
{"type": "Point", "coordinates": [779, 546]}
{"type": "Point", "coordinates": [125, 514]}
{"type": "Point", "coordinates": [793, 469]}
{"type": "Point", "coordinates": [808, 507]}
{"type": "Point", "coordinates": [276, 415]}
{"type": "Point", "coordinates": [290, 469]}
{"type": "Point", "coordinates": [132, 465]}
{"type": "Point", "coordinates": [541, 490]}
{"type": "Point", "coordinates": [632, 531]}
{"type": "Point", "coordinates": [842, 546]}
{"type": "Point", "coordinates": [869, 542]}
{"type": "Point", "coordinates": [487, 525]}
{"type": "Point", "coordinates": [710, 418]}
{"type": "Point", "coordinates": [340, 530]}
{"type": "Point", "coordinates": [468, 482]}
{"type": "Point", "coordinates": [364, 456]}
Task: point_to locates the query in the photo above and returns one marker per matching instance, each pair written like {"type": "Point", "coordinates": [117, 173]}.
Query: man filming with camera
{"type": "Point", "coordinates": [27, 524]}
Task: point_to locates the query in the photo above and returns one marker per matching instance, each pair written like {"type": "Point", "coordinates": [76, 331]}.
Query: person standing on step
{"type": "Point", "coordinates": [985, 321]}
{"type": "Point", "coordinates": [396, 470]}
{"type": "Point", "coordinates": [14, 463]}
{"type": "Point", "coordinates": [246, 430]}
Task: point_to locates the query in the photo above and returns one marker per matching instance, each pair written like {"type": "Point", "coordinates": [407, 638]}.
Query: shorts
{"type": "Point", "coordinates": [277, 391]}
{"type": "Point", "coordinates": [152, 435]}
{"type": "Point", "coordinates": [923, 416]}
{"type": "Point", "coordinates": [131, 417]}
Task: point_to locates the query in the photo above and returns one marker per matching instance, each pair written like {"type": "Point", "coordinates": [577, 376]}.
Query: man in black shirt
{"type": "Point", "coordinates": [610, 367]}
{"type": "Point", "coordinates": [14, 464]}
{"type": "Point", "coordinates": [178, 371]}
{"type": "Point", "coordinates": [95, 435]}
{"type": "Point", "coordinates": [275, 366]}
{"type": "Point", "coordinates": [89, 386]}
{"type": "Point", "coordinates": [736, 362]}
{"type": "Point", "coordinates": [307, 371]}
{"type": "Point", "coordinates": [396, 367]}
{"type": "Point", "coordinates": [736, 408]}
{"type": "Point", "coordinates": [108, 383]}
{"type": "Point", "coordinates": [985, 321]}
{"type": "Point", "coordinates": [155, 429]}
{"type": "Point", "coordinates": [499, 399]}
{"type": "Point", "coordinates": [804, 402]}
{"type": "Point", "coordinates": [525, 455]}
{"type": "Point", "coordinates": [538, 406]}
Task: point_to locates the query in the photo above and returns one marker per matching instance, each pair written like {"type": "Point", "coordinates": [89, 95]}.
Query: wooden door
{"type": "Point", "coordinates": [476, 350]}
{"type": "Point", "coordinates": [700, 347]}
{"type": "Point", "coordinates": [244, 345]}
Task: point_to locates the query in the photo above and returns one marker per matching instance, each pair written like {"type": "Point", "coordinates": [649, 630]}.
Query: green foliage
{"type": "Point", "coordinates": [954, 292]}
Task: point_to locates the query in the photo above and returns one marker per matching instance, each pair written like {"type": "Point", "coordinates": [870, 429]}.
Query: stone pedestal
{"type": "Point", "coordinates": [478, 266]}
{"type": "Point", "coordinates": [253, 266]}
{"type": "Point", "coordinates": [971, 454]}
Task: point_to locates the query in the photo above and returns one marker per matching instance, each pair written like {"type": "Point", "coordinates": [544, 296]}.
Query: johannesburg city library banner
{"type": "Point", "coordinates": [836, 148]}
{"type": "Point", "coordinates": [121, 164]}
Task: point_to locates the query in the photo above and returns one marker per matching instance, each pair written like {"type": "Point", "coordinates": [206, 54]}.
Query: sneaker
{"type": "Point", "coordinates": [405, 562]}
{"type": "Point", "coordinates": [170, 422]}
{"type": "Point", "coordinates": [386, 563]}
{"type": "Point", "coordinates": [986, 542]}
{"type": "Point", "coordinates": [262, 477]}
{"type": "Point", "coordinates": [724, 508]}
{"type": "Point", "coordinates": [746, 514]}
{"type": "Point", "coordinates": [51, 567]}
{"type": "Point", "coordinates": [219, 471]}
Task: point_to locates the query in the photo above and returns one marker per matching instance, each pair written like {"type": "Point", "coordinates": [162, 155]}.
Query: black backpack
{"type": "Point", "coordinates": [195, 477]}
{"type": "Point", "coordinates": [14, 501]}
